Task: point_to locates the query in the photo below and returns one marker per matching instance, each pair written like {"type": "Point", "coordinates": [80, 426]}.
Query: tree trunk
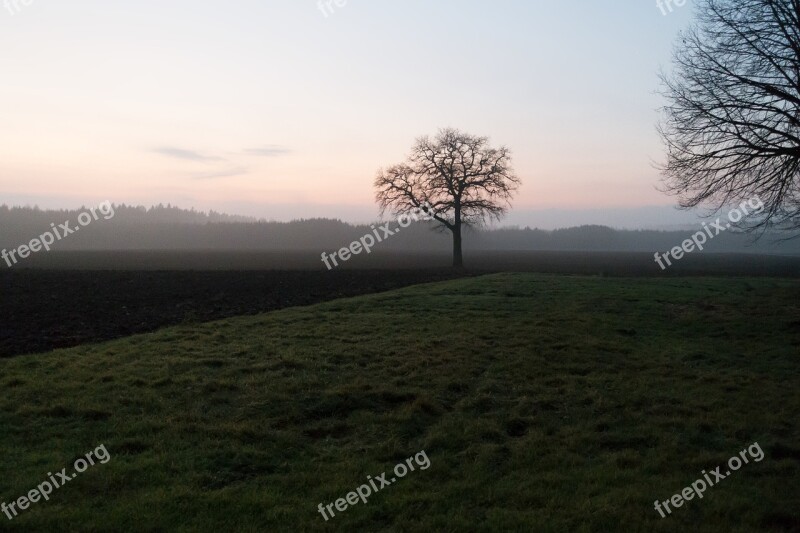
{"type": "Point", "coordinates": [458, 259]}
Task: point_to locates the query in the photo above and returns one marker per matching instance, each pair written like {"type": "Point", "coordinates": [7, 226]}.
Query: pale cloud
{"type": "Point", "coordinates": [180, 153]}
{"type": "Point", "coordinates": [271, 150]}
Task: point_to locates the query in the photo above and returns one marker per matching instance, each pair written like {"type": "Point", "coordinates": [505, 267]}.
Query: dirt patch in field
{"type": "Point", "coordinates": [41, 310]}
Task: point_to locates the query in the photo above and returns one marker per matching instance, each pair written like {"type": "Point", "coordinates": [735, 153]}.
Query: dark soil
{"type": "Point", "coordinates": [67, 299]}
{"type": "Point", "coordinates": [41, 310]}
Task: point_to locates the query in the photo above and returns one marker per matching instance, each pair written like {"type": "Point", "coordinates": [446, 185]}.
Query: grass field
{"type": "Point", "coordinates": [544, 403]}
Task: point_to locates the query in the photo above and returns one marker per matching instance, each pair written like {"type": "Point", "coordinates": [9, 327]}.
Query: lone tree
{"type": "Point", "coordinates": [732, 123]}
{"type": "Point", "coordinates": [457, 176]}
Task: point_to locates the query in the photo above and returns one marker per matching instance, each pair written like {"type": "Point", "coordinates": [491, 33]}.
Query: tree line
{"type": "Point", "coordinates": [172, 228]}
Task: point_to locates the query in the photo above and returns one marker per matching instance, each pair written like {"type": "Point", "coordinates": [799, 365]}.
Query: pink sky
{"type": "Point", "coordinates": [253, 108]}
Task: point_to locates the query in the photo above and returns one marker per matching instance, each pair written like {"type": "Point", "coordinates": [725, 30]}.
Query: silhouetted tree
{"type": "Point", "coordinates": [459, 176]}
{"type": "Point", "coordinates": [731, 126]}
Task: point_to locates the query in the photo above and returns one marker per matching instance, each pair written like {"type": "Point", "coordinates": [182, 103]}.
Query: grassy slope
{"type": "Point", "coordinates": [544, 403]}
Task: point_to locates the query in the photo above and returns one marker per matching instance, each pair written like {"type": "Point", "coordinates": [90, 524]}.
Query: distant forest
{"type": "Point", "coordinates": [171, 228]}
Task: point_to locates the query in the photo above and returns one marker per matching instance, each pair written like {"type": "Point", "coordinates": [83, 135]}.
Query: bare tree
{"type": "Point", "coordinates": [732, 123]}
{"type": "Point", "coordinates": [463, 180]}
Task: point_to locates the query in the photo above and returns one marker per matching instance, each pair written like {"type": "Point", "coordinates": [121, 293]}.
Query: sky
{"type": "Point", "coordinates": [284, 109]}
